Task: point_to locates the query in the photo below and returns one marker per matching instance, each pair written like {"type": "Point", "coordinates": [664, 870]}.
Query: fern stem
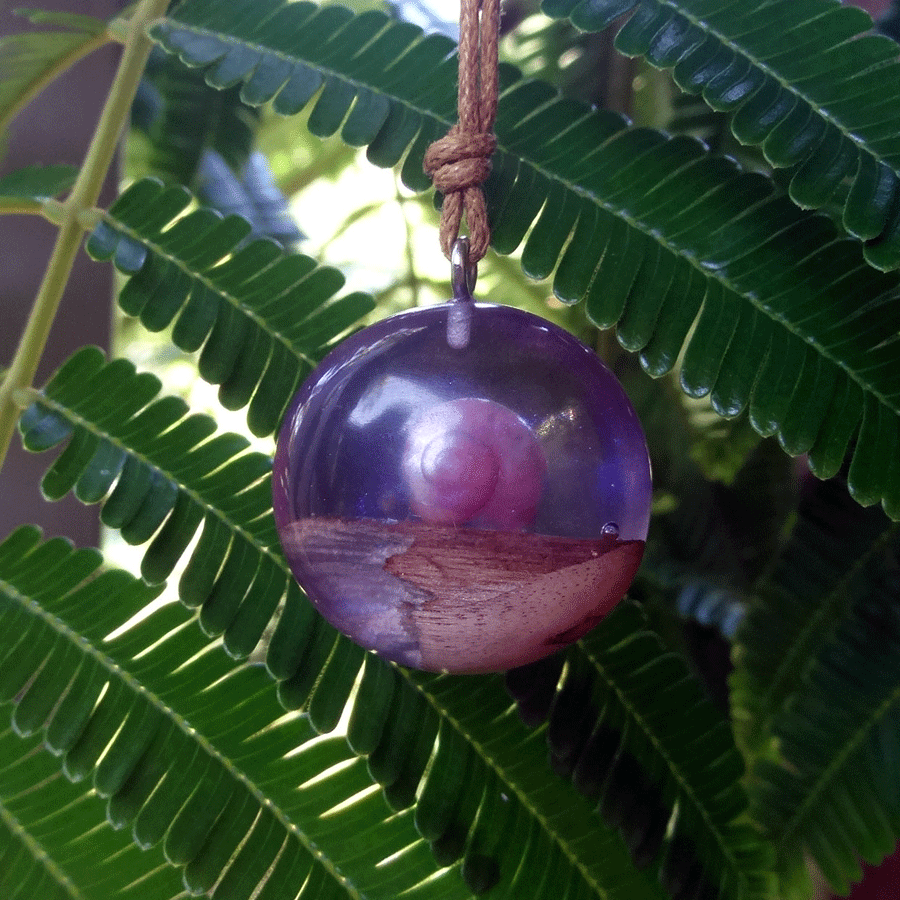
{"type": "Point", "coordinates": [23, 207]}
{"type": "Point", "coordinates": [38, 853]}
{"type": "Point", "coordinates": [83, 197]}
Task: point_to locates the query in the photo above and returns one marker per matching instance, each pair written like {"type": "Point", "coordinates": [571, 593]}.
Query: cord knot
{"type": "Point", "coordinates": [460, 160]}
{"type": "Point", "coordinates": [459, 163]}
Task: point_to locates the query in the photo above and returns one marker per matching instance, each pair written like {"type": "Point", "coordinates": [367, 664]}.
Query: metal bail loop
{"type": "Point", "coordinates": [463, 275]}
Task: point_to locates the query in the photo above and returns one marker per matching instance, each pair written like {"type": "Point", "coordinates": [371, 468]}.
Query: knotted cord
{"type": "Point", "coordinates": [460, 162]}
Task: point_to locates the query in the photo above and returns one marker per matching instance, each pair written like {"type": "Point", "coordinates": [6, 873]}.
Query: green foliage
{"type": "Point", "coordinates": [165, 469]}
{"type": "Point", "coordinates": [192, 117]}
{"type": "Point", "coordinates": [44, 818]}
{"type": "Point", "coordinates": [834, 791]}
{"type": "Point", "coordinates": [31, 60]}
{"type": "Point", "coordinates": [176, 772]}
{"type": "Point", "coordinates": [37, 182]}
{"type": "Point", "coordinates": [259, 314]}
{"type": "Point", "coordinates": [813, 700]}
{"type": "Point", "coordinates": [802, 80]}
{"type": "Point", "coordinates": [612, 673]}
{"type": "Point", "coordinates": [222, 738]}
{"type": "Point", "coordinates": [808, 592]}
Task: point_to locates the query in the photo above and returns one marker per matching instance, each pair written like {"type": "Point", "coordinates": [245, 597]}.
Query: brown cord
{"type": "Point", "coordinates": [460, 162]}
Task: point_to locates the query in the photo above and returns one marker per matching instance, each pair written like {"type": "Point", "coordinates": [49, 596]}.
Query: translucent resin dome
{"type": "Point", "coordinates": [462, 495]}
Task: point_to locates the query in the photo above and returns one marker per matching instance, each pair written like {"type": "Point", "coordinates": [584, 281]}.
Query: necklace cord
{"type": "Point", "coordinates": [460, 162]}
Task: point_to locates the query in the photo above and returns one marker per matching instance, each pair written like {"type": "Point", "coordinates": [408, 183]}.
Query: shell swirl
{"type": "Point", "coordinates": [473, 461]}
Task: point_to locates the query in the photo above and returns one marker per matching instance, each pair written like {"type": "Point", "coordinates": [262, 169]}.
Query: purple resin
{"type": "Point", "coordinates": [462, 508]}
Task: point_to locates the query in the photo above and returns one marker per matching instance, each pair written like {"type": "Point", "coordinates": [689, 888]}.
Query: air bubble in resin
{"type": "Point", "coordinates": [462, 505]}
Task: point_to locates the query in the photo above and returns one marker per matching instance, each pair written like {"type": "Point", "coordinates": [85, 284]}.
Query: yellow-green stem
{"type": "Point", "coordinates": [84, 196]}
{"type": "Point", "coordinates": [20, 207]}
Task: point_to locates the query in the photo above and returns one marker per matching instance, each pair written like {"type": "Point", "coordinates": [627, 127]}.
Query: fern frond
{"type": "Point", "coordinates": [652, 733]}
{"type": "Point", "coordinates": [812, 586]}
{"type": "Point", "coordinates": [190, 118]}
{"type": "Point", "coordinates": [485, 758]}
{"type": "Point", "coordinates": [807, 82]}
{"type": "Point", "coordinates": [262, 316]}
{"type": "Point", "coordinates": [476, 800]}
{"type": "Point", "coordinates": [55, 842]}
{"type": "Point", "coordinates": [487, 789]}
{"type": "Point", "coordinates": [834, 791]}
{"type": "Point", "coordinates": [624, 217]}
{"type": "Point", "coordinates": [225, 795]}
{"type": "Point", "coordinates": [160, 473]}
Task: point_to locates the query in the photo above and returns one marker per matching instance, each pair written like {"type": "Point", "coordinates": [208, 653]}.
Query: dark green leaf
{"type": "Point", "coordinates": [37, 182]}
{"type": "Point", "coordinates": [261, 316]}
{"type": "Point", "coordinates": [157, 747]}
{"type": "Point", "coordinates": [627, 665]}
{"type": "Point", "coordinates": [192, 120]}
{"type": "Point", "coordinates": [833, 792]}
{"type": "Point", "coordinates": [45, 821]}
{"type": "Point", "coordinates": [810, 590]}
{"type": "Point", "coordinates": [805, 81]}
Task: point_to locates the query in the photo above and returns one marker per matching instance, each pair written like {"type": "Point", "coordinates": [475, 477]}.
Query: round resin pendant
{"type": "Point", "coordinates": [462, 488]}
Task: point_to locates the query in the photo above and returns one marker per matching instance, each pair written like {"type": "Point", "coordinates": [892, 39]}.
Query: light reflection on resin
{"type": "Point", "coordinates": [469, 508]}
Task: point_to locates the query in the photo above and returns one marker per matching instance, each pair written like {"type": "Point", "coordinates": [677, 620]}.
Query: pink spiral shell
{"type": "Point", "coordinates": [473, 461]}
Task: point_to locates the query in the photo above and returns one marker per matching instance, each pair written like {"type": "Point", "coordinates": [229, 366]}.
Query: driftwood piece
{"type": "Point", "coordinates": [460, 599]}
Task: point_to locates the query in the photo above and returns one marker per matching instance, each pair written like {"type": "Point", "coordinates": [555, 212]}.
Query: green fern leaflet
{"type": "Point", "coordinates": [804, 81]}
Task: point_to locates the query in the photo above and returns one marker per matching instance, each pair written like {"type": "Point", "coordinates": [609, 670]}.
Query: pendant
{"type": "Point", "coordinates": [463, 487]}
